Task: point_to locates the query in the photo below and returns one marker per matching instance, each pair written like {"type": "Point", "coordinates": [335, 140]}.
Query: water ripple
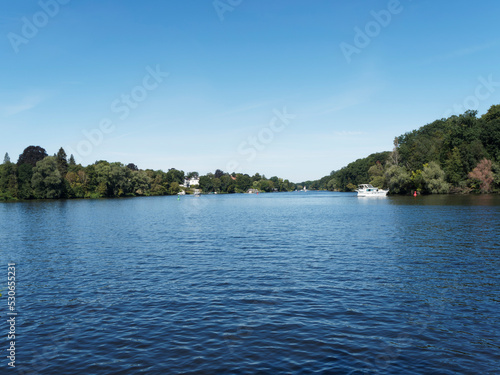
{"type": "Point", "coordinates": [319, 283]}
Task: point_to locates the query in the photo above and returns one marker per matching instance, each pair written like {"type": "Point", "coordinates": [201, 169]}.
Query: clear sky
{"type": "Point", "coordinates": [293, 88]}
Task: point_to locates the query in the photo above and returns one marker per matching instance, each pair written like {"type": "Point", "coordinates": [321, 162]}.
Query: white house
{"type": "Point", "coordinates": [191, 182]}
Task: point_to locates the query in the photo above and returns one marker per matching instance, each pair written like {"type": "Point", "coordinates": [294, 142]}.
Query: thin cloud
{"type": "Point", "coordinates": [72, 83]}
{"type": "Point", "coordinates": [23, 105]}
{"type": "Point", "coordinates": [248, 107]}
{"type": "Point", "coordinates": [345, 100]}
{"type": "Point", "coordinates": [459, 53]}
{"type": "Point", "coordinates": [349, 133]}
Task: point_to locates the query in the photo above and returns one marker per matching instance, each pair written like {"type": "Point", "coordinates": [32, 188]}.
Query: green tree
{"type": "Point", "coordinates": [496, 175]}
{"type": "Point", "coordinates": [351, 187]}
{"type": "Point", "coordinates": [399, 180]}
{"type": "Point", "coordinates": [158, 183]}
{"type": "Point", "coordinates": [376, 173]}
{"type": "Point", "coordinates": [332, 184]}
{"type": "Point", "coordinates": [265, 185]}
{"type": "Point", "coordinates": [243, 182]}
{"type": "Point", "coordinates": [216, 184]}
{"type": "Point", "coordinates": [287, 185]}
{"type": "Point", "coordinates": [173, 175]}
{"type": "Point", "coordinates": [6, 158]}
{"type": "Point", "coordinates": [174, 188]}
{"type": "Point", "coordinates": [92, 182]}
{"type": "Point", "coordinates": [227, 184]}
{"type": "Point", "coordinates": [120, 180]}
{"type": "Point", "coordinates": [490, 133]}
{"type": "Point", "coordinates": [62, 162]}
{"type": "Point", "coordinates": [113, 179]}
{"type": "Point", "coordinates": [356, 172]}
{"type": "Point", "coordinates": [492, 114]}
{"type": "Point", "coordinates": [417, 180]}
{"type": "Point", "coordinates": [218, 173]}
{"type": "Point", "coordinates": [77, 184]}
{"type": "Point", "coordinates": [256, 177]}
{"type": "Point", "coordinates": [24, 175]}
{"type": "Point", "coordinates": [141, 182]}
{"type": "Point", "coordinates": [47, 181]}
{"type": "Point", "coordinates": [8, 181]}
{"type": "Point", "coordinates": [206, 183]}
{"type": "Point", "coordinates": [454, 167]}
{"type": "Point", "coordinates": [434, 179]}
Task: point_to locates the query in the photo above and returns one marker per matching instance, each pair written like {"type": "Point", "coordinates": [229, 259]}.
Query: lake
{"type": "Point", "coordinates": [283, 283]}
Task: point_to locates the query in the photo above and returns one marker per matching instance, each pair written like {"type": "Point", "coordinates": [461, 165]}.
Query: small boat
{"type": "Point", "coordinates": [367, 190]}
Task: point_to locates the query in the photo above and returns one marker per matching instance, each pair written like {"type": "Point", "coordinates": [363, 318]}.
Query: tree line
{"type": "Point", "coordinates": [459, 154]}
{"type": "Point", "coordinates": [36, 175]}
{"type": "Point", "coordinates": [221, 182]}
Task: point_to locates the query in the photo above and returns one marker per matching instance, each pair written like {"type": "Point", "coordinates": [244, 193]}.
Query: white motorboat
{"type": "Point", "coordinates": [367, 190]}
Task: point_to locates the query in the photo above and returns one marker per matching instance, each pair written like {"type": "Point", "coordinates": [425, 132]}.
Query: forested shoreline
{"type": "Point", "coordinates": [36, 175]}
{"type": "Point", "coordinates": [458, 155]}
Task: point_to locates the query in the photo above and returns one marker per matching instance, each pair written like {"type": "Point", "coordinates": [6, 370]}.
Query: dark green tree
{"type": "Point", "coordinates": [132, 167]}
{"type": "Point", "coordinates": [492, 114]}
{"type": "Point", "coordinates": [24, 174]}
{"type": "Point", "coordinates": [227, 184]}
{"type": "Point", "coordinates": [218, 173]}
{"type": "Point", "coordinates": [62, 162]}
{"type": "Point", "coordinates": [141, 183]}
{"type": "Point", "coordinates": [174, 175]}
{"type": "Point", "coordinates": [265, 185]}
{"type": "Point", "coordinates": [243, 182]}
{"type": "Point", "coordinates": [454, 168]}
{"type": "Point", "coordinates": [490, 134]}
{"type": "Point", "coordinates": [8, 181]}
{"type": "Point", "coordinates": [31, 155]}
{"type": "Point", "coordinates": [207, 183]}
{"type": "Point", "coordinates": [256, 177]}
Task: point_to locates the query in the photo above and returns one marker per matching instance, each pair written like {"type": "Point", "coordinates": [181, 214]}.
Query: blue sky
{"type": "Point", "coordinates": [252, 86]}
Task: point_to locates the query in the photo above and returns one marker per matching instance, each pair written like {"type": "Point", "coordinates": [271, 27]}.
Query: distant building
{"type": "Point", "coordinates": [191, 182]}
{"type": "Point", "coordinates": [253, 191]}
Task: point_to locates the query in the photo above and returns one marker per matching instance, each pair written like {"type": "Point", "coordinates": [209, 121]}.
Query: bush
{"type": "Point", "coordinates": [433, 178]}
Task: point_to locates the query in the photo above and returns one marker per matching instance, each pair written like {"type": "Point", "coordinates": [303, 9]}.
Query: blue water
{"type": "Point", "coordinates": [284, 283]}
